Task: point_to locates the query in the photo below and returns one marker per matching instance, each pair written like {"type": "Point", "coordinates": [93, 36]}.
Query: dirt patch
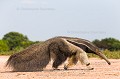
{"type": "Point", "coordinates": [101, 71]}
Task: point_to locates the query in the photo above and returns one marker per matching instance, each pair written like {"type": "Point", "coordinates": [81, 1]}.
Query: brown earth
{"type": "Point", "coordinates": [101, 71]}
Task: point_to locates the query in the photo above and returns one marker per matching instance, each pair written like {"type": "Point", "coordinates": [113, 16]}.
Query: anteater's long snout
{"type": "Point", "coordinates": [100, 54]}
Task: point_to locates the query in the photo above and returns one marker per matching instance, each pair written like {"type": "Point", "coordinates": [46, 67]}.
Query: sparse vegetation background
{"type": "Point", "coordinates": [14, 42]}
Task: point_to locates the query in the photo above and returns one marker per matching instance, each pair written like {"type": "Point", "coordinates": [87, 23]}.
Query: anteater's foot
{"type": "Point", "coordinates": [89, 67]}
{"type": "Point", "coordinates": [65, 67]}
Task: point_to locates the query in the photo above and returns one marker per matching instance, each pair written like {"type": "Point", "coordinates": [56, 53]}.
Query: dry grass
{"type": "Point", "coordinates": [108, 54]}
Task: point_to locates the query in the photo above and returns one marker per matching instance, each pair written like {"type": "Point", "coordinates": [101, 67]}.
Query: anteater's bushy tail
{"type": "Point", "coordinates": [34, 58]}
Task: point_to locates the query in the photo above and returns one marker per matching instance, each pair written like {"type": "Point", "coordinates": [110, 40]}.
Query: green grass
{"type": "Point", "coordinates": [113, 54]}
{"type": "Point", "coordinates": [10, 52]}
{"type": "Point", "coordinates": [108, 54]}
{"type": "Point", "coordinates": [7, 53]}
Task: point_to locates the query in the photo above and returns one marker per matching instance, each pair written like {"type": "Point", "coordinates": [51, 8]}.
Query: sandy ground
{"type": "Point", "coordinates": [101, 71]}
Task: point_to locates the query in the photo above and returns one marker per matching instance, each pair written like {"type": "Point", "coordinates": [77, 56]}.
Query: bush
{"type": "Point", "coordinates": [15, 39]}
{"type": "Point", "coordinates": [3, 46]}
{"type": "Point", "coordinates": [108, 43]}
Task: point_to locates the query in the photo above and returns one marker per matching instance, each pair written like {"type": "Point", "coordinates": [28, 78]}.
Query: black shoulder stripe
{"type": "Point", "coordinates": [81, 45]}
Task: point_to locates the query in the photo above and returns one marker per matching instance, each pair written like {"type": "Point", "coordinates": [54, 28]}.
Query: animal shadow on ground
{"type": "Point", "coordinates": [47, 70]}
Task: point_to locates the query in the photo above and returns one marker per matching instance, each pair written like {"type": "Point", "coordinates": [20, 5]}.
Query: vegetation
{"type": "Point", "coordinates": [108, 54]}
{"type": "Point", "coordinates": [10, 52]}
{"type": "Point", "coordinates": [14, 42]}
{"type": "Point", "coordinates": [3, 46]}
{"type": "Point", "coordinates": [111, 44]}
